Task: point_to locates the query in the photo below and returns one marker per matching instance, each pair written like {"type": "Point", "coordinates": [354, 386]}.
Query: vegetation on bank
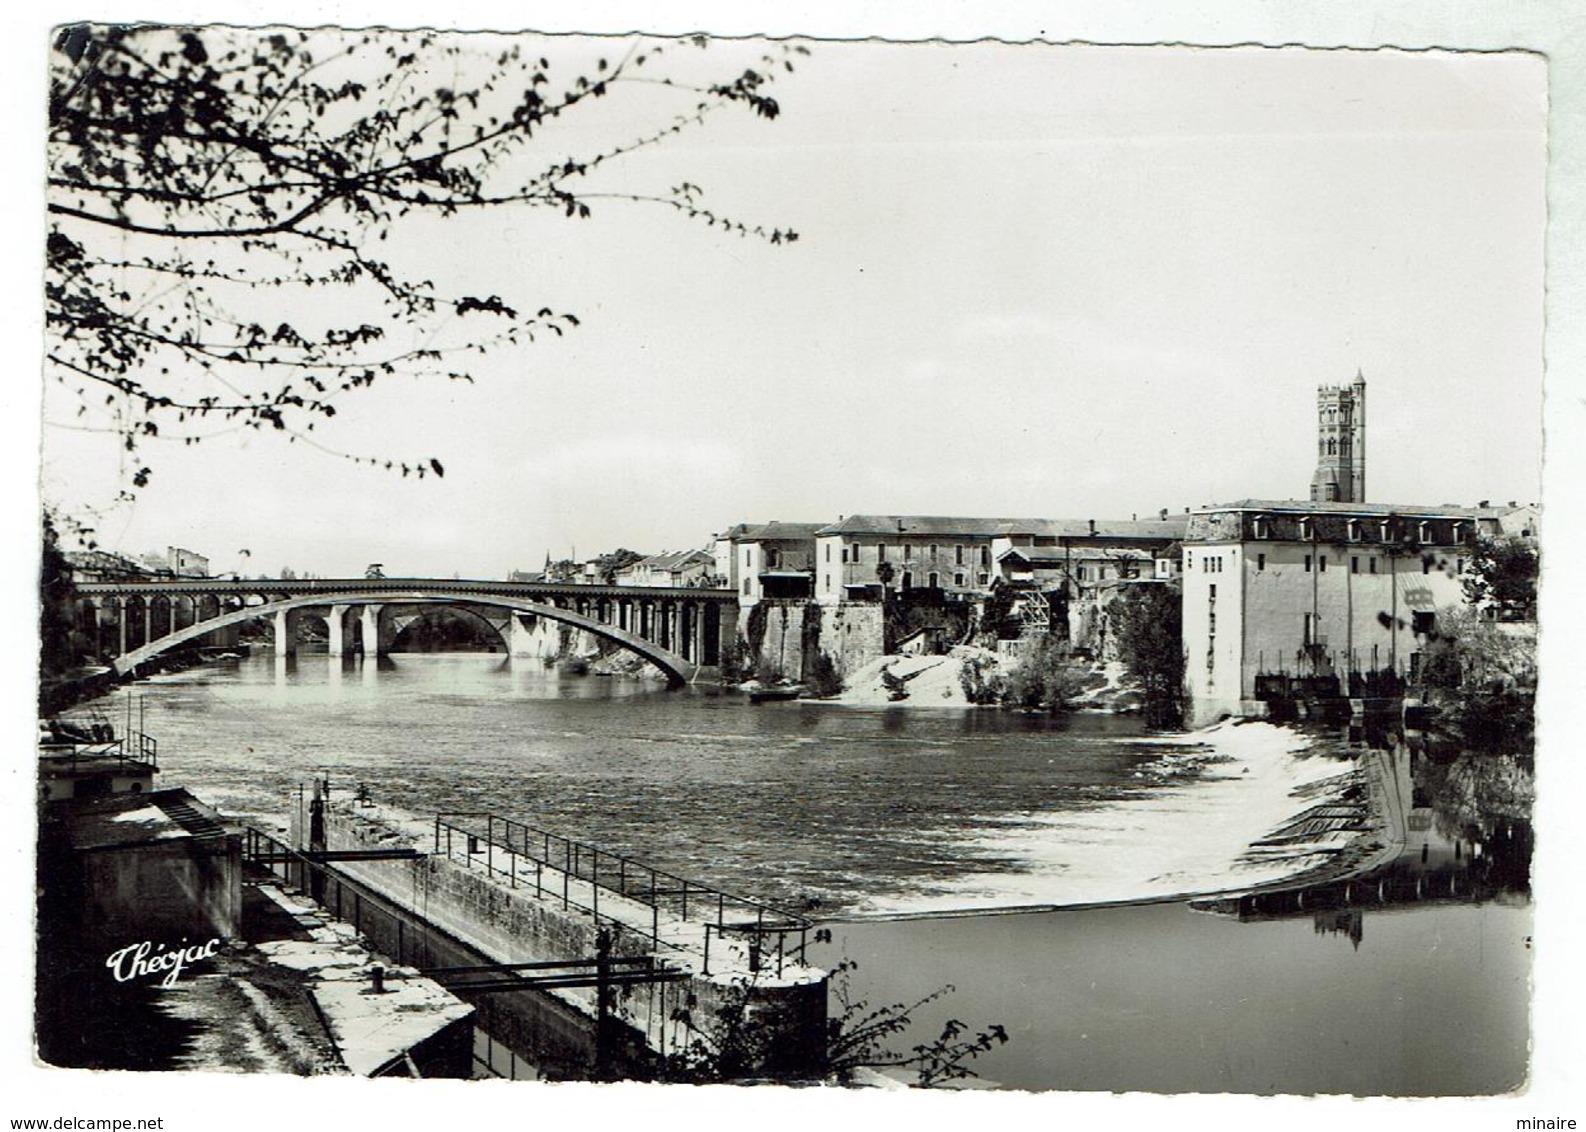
{"type": "Point", "coordinates": [1479, 670]}
{"type": "Point", "coordinates": [741, 1039]}
{"type": "Point", "coordinates": [1148, 625]}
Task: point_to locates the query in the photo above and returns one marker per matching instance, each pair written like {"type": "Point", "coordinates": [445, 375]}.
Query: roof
{"type": "Point", "coordinates": [767, 532]}
{"type": "Point", "coordinates": [925, 525]}
{"type": "Point", "coordinates": [1171, 527]}
{"type": "Point", "coordinates": [1317, 507]}
{"type": "Point", "coordinates": [141, 819]}
{"type": "Point", "coordinates": [672, 560]}
{"type": "Point", "coordinates": [1049, 557]}
{"type": "Point", "coordinates": [102, 560]}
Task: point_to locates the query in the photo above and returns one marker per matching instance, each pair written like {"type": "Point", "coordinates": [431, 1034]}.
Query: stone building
{"type": "Point", "coordinates": [673, 569]}
{"type": "Point", "coordinates": [766, 560]}
{"type": "Point", "coordinates": [953, 555]}
{"type": "Point", "coordinates": [1332, 599]}
{"type": "Point", "coordinates": [1340, 443]}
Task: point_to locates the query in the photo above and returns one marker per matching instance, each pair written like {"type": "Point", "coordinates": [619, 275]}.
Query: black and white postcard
{"type": "Point", "coordinates": [579, 563]}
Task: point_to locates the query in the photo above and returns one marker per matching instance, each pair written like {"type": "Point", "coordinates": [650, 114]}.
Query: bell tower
{"type": "Point", "coordinates": [1340, 443]}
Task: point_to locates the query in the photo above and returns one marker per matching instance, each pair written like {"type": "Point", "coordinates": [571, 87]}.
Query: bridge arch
{"type": "Point", "coordinates": [500, 629]}
{"type": "Point", "coordinates": [677, 669]}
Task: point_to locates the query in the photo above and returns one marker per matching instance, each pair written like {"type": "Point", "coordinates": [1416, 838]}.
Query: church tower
{"type": "Point", "coordinates": [1341, 443]}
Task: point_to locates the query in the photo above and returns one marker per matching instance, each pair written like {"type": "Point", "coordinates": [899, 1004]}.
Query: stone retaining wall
{"type": "Point", "coordinates": [516, 926]}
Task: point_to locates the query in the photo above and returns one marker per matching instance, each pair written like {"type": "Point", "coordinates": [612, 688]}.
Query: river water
{"type": "Point", "coordinates": [834, 809]}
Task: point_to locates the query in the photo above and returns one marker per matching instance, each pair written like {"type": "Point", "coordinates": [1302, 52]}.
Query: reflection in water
{"type": "Point", "coordinates": [1461, 819]}
{"type": "Point", "coordinates": [1349, 923]}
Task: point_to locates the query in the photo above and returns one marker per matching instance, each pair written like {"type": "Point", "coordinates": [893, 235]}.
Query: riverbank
{"type": "Point", "coordinates": [969, 676]}
{"type": "Point", "coordinates": [1220, 813]}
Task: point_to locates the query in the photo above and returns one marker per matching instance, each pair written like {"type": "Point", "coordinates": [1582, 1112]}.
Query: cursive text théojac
{"type": "Point", "coordinates": [146, 959]}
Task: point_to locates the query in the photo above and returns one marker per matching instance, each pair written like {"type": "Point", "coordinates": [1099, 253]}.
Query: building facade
{"type": "Point", "coordinates": [766, 560]}
{"type": "Point", "coordinates": [1340, 597]}
{"type": "Point", "coordinates": [858, 555]}
{"type": "Point", "coordinates": [671, 569]}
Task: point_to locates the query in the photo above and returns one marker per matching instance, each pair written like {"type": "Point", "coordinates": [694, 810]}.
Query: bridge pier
{"type": "Point", "coordinates": [369, 625]}
{"type": "Point", "coordinates": [283, 626]}
{"type": "Point", "coordinates": [340, 643]}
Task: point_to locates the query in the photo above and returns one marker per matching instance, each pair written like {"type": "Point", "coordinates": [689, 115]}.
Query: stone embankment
{"type": "Point", "coordinates": [516, 910]}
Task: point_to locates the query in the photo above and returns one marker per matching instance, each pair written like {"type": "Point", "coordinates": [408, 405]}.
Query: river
{"type": "Point", "coordinates": [840, 810]}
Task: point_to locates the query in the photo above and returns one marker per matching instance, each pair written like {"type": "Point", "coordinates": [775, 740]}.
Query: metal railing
{"type": "Point", "coordinates": [579, 875]}
{"type": "Point", "coordinates": [134, 748]}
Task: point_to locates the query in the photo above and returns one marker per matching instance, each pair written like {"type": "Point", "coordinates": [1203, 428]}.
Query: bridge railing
{"type": "Point", "coordinates": [582, 876]}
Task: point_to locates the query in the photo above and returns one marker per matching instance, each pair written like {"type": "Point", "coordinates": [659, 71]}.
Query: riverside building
{"type": "Point", "coordinates": [1290, 598]}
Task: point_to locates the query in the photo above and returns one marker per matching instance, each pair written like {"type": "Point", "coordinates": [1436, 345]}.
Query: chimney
{"type": "Point", "coordinates": [1162, 514]}
{"type": "Point", "coordinates": [1093, 526]}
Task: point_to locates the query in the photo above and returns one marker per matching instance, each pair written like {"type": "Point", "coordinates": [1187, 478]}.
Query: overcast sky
{"type": "Point", "coordinates": [1031, 281]}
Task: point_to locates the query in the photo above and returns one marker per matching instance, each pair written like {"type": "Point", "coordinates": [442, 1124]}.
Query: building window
{"type": "Point", "coordinates": [933, 552]}
{"type": "Point", "coordinates": [1354, 563]}
{"type": "Point", "coordinates": [1189, 560]}
{"type": "Point", "coordinates": [933, 580]}
{"type": "Point", "coordinates": [1211, 592]}
{"type": "Point", "coordinates": [1321, 563]}
{"type": "Point", "coordinates": [985, 579]}
{"type": "Point", "coordinates": [1258, 527]}
{"type": "Point", "coordinates": [1079, 573]}
{"type": "Point", "coordinates": [828, 583]}
{"type": "Point", "coordinates": [1310, 629]}
{"type": "Point", "coordinates": [746, 587]}
{"type": "Point", "coordinates": [985, 556]}
{"type": "Point", "coordinates": [1426, 563]}
{"type": "Point", "coordinates": [845, 554]}
{"type": "Point", "coordinates": [828, 552]}
{"type": "Point", "coordinates": [1307, 563]}
{"type": "Point", "coordinates": [1305, 528]}
{"type": "Point", "coordinates": [907, 580]}
{"type": "Point", "coordinates": [1354, 530]}
{"type": "Point", "coordinates": [748, 558]}
{"type": "Point", "coordinates": [1371, 565]}
{"type": "Point", "coordinates": [1424, 532]}
{"type": "Point", "coordinates": [881, 552]}
{"type": "Point", "coordinates": [958, 578]}
{"type": "Point", "coordinates": [1261, 562]}
{"type": "Point", "coordinates": [958, 556]}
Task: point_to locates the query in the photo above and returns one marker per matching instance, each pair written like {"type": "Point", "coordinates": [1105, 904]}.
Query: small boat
{"type": "Point", "coordinates": [776, 692]}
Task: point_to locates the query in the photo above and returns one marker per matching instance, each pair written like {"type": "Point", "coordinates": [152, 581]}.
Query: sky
{"type": "Point", "coordinates": [1034, 281]}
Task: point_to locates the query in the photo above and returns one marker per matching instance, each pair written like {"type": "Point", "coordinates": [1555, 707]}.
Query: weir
{"type": "Point", "coordinates": [525, 900]}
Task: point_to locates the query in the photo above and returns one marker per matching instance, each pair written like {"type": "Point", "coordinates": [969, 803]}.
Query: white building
{"type": "Point", "coordinates": [770, 560]}
{"type": "Point", "coordinates": [1338, 596]}
{"type": "Point", "coordinates": [671, 569]}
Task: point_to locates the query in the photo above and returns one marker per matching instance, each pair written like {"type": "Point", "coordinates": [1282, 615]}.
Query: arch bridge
{"type": "Point", "coordinates": [683, 632]}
